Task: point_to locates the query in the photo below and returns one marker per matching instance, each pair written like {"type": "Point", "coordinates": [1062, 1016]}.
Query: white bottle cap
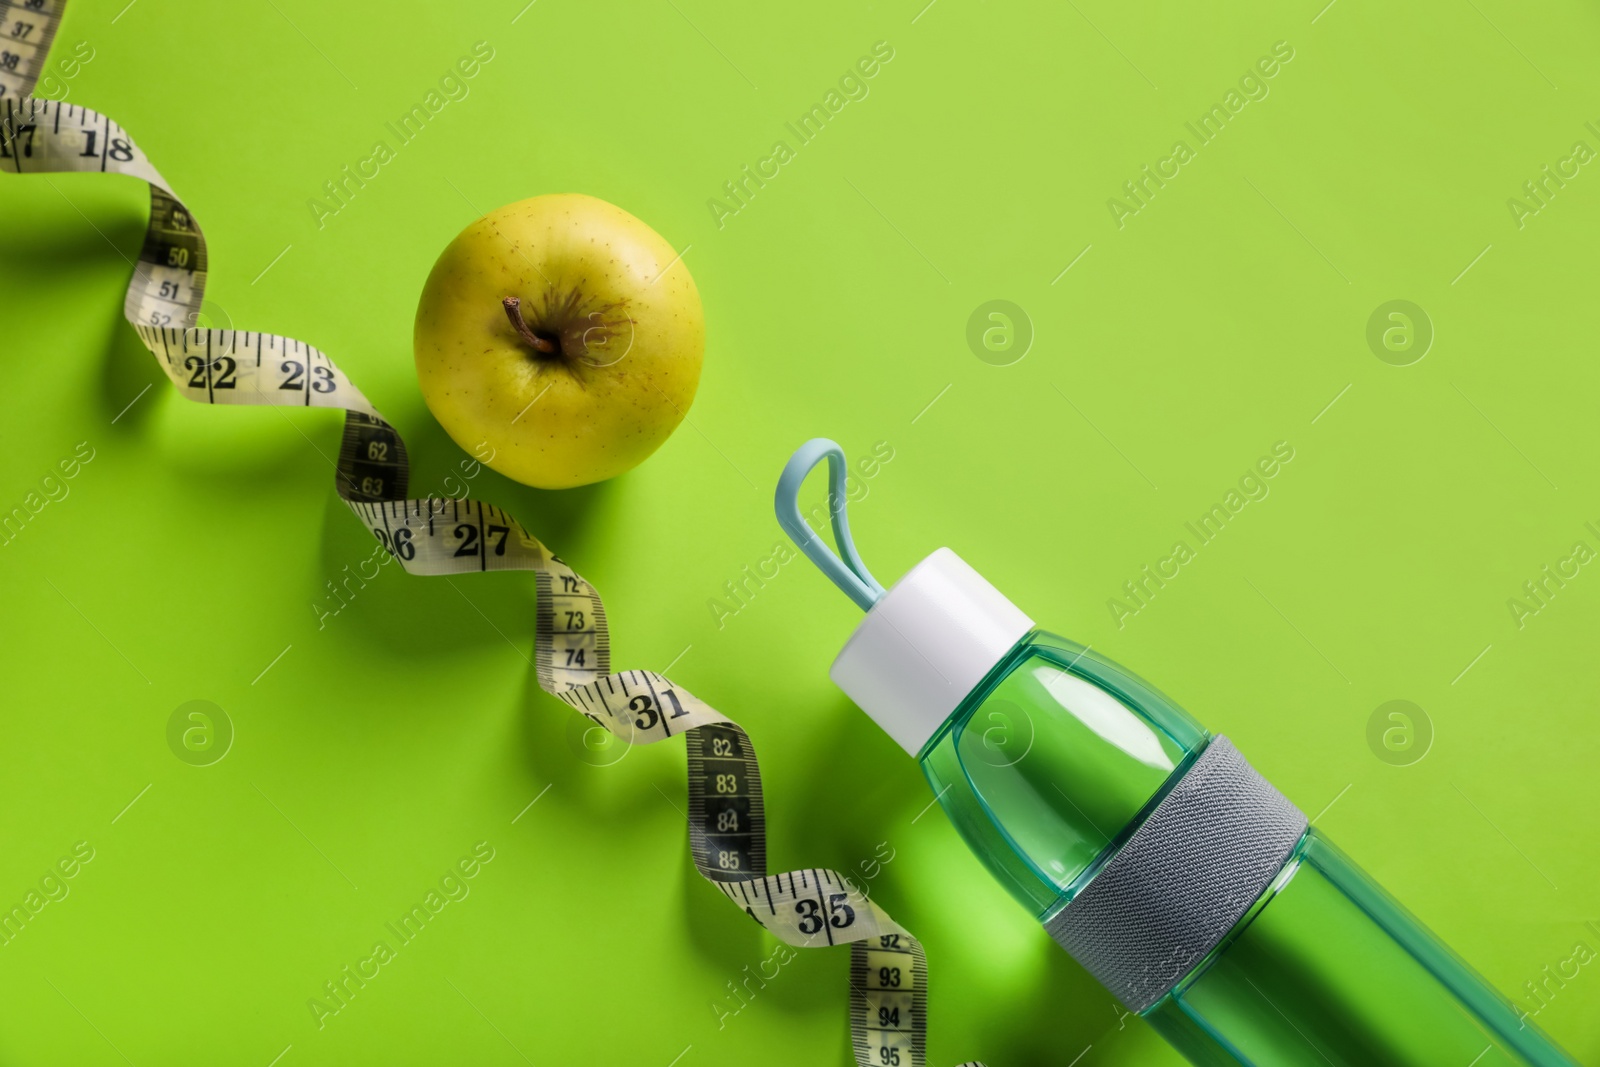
{"type": "Point", "coordinates": [925, 645]}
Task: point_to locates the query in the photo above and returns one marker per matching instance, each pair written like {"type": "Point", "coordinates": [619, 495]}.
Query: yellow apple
{"type": "Point", "coordinates": [559, 339]}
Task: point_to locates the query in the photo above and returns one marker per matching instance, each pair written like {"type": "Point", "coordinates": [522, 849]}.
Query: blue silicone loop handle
{"type": "Point", "coordinates": [850, 575]}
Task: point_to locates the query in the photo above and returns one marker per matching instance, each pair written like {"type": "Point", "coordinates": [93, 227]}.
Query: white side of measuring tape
{"type": "Point", "coordinates": [727, 823]}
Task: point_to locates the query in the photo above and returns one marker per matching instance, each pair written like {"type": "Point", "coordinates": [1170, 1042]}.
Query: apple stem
{"type": "Point", "coordinates": [513, 308]}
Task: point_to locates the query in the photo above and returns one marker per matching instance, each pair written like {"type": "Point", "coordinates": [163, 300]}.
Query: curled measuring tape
{"type": "Point", "coordinates": [727, 821]}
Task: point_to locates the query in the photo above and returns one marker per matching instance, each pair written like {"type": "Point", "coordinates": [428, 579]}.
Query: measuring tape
{"type": "Point", "coordinates": [727, 820]}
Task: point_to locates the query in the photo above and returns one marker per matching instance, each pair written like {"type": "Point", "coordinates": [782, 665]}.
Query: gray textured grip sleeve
{"type": "Point", "coordinates": [1184, 878]}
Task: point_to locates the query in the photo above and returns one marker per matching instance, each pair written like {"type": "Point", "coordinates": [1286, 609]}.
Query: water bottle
{"type": "Point", "coordinates": [1149, 848]}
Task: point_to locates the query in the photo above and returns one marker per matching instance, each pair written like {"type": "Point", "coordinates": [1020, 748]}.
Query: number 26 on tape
{"type": "Point", "coordinates": [400, 544]}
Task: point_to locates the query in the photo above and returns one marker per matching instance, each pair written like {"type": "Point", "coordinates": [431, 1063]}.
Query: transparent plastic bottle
{"type": "Point", "coordinates": [1148, 847]}
{"type": "Point", "coordinates": [1052, 761]}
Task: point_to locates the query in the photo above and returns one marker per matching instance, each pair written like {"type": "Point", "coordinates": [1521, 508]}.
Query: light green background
{"type": "Point", "coordinates": [1222, 318]}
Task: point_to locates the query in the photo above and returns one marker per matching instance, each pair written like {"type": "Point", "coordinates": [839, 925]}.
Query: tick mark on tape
{"type": "Point", "coordinates": [680, 1055]}
{"type": "Point", "coordinates": [280, 1056]}
{"type": "Point", "coordinates": [531, 803]}
{"type": "Point", "coordinates": [273, 664]}
{"type": "Point", "coordinates": [131, 803]}
{"type": "Point", "coordinates": [524, 11]}
{"type": "Point", "coordinates": [124, 11]}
